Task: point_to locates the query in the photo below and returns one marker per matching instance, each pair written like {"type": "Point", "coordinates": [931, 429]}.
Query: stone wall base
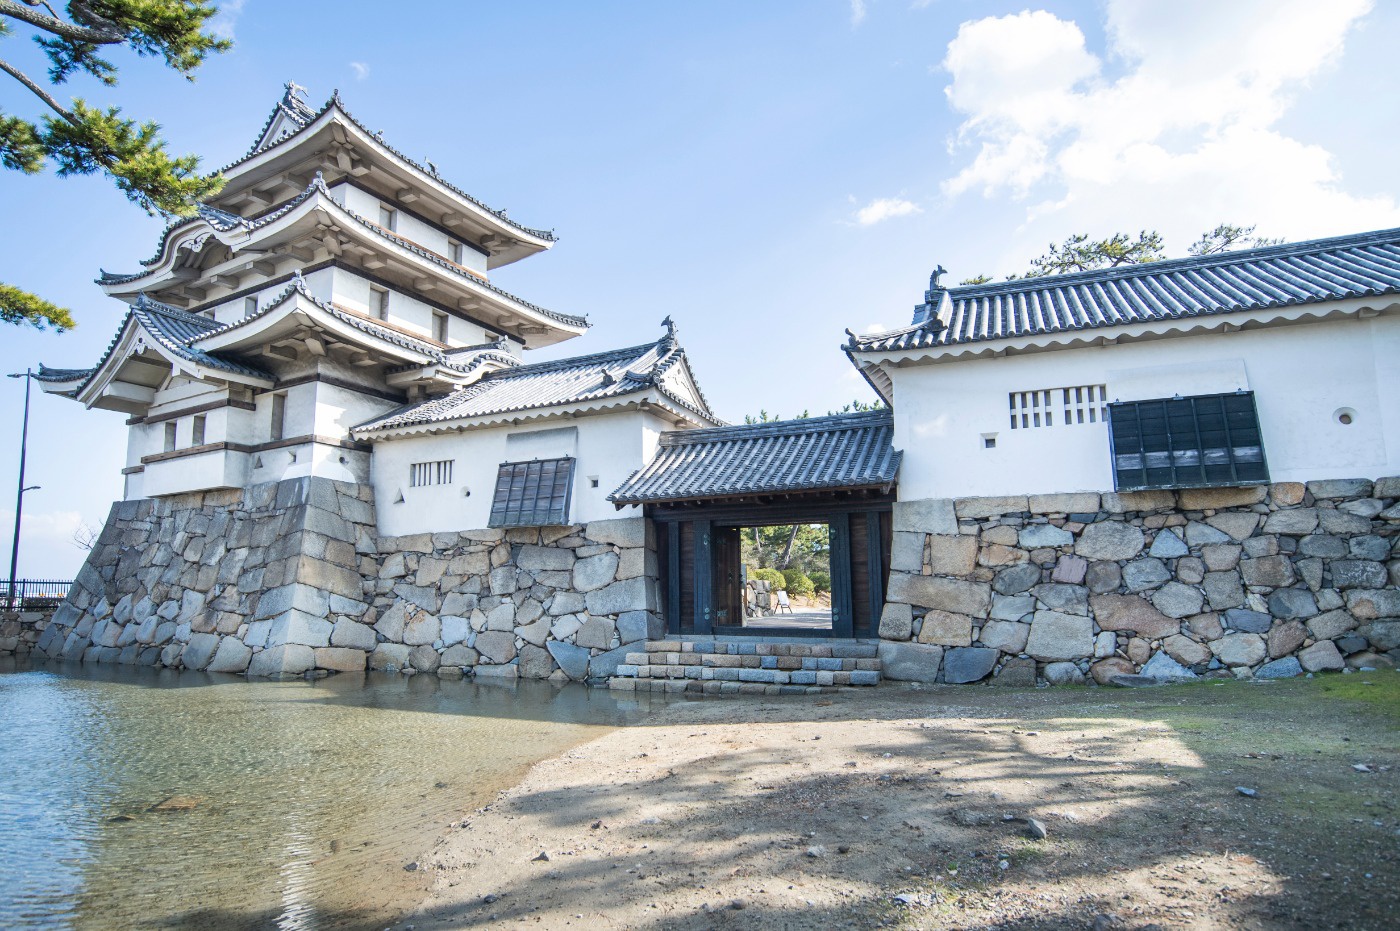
{"type": "Point", "coordinates": [21, 630]}
{"type": "Point", "coordinates": [1265, 581]}
{"type": "Point", "coordinates": [289, 578]}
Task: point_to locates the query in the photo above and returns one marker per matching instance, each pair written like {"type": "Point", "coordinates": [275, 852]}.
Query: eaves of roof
{"type": "Point", "coordinates": [844, 451]}
{"type": "Point", "coordinates": [580, 380]}
{"type": "Point", "coordinates": [338, 106]}
{"type": "Point", "coordinates": [1293, 274]}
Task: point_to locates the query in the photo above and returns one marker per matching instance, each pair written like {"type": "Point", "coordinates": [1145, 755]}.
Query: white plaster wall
{"type": "Point", "coordinates": [338, 409]}
{"type": "Point", "coordinates": [352, 291]}
{"type": "Point", "coordinates": [317, 282]}
{"type": "Point", "coordinates": [409, 227]}
{"type": "Point", "coordinates": [1300, 375]}
{"type": "Point", "coordinates": [215, 469]}
{"type": "Point", "coordinates": [609, 447]}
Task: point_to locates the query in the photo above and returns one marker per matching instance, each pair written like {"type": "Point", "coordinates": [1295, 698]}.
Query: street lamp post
{"type": "Point", "coordinates": [19, 495]}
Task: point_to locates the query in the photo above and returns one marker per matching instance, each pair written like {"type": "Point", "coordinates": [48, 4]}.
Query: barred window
{"type": "Point", "coordinates": [533, 494]}
{"type": "Point", "coordinates": [1205, 440]}
{"type": "Point", "coordinates": [1067, 407]}
{"type": "Point", "coordinates": [430, 473]}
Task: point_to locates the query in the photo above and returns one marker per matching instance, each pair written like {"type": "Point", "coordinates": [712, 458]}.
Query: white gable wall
{"type": "Point", "coordinates": [1301, 375]}
{"type": "Point", "coordinates": [608, 447]}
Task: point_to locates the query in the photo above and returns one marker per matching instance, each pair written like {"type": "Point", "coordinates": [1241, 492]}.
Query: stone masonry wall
{"type": "Point", "coordinates": [554, 602]}
{"type": "Point", "coordinates": [1264, 581]}
{"type": "Point", "coordinates": [234, 581]}
{"type": "Point", "coordinates": [20, 630]}
{"type": "Point", "coordinates": [289, 577]}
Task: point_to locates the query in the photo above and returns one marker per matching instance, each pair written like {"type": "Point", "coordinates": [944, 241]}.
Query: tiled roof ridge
{"type": "Point", "coordinates": [1214, 260]}
{"type": "Point", "coordinates": [826, 423]}
{"type": "Point", "coordinates": [336, 103]}
{"type": "Point", "coordinates": [535, 368]}
{"type": "Point", "coordinates": [47, 373]}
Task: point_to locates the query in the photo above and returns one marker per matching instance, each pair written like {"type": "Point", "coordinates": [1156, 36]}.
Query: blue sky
{"type": "Point", "coordinates": [767, 174]}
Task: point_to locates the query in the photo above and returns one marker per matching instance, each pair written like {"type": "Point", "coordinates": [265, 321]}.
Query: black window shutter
{"type": "Point", "coordinates": [1202, 441]}
{"type": "Point", "coordinates": [533, 494]}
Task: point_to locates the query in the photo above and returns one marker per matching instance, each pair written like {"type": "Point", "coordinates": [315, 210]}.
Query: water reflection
{"type": "Point", "coordinates": [286, 804]}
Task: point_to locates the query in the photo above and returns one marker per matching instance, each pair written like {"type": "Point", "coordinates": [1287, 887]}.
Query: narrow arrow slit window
{"type": "Point", "coordinates": [421, 474]}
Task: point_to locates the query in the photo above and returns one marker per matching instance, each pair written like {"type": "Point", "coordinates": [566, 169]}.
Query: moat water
{"type": "Point", "coordinates": [291, 805]}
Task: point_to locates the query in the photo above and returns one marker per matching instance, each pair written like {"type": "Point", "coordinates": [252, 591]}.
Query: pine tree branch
{"type": "Point", "coordinates": [38, 91]}
{"type": "Point", "coordinates": [108, 33]}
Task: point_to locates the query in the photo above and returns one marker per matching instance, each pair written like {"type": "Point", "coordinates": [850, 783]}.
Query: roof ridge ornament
{"type": "Point", "coordinates": [926, 314]}
{"type": "Point", "coordinates": [671, 329]}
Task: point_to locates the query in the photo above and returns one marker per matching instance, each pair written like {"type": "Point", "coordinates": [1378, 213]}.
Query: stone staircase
{"type": "Point", "coordinates": [748, 666]}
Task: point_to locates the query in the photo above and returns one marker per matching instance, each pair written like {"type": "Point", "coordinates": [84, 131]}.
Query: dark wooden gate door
{"type": "Point", "coordinates": [729, 606]}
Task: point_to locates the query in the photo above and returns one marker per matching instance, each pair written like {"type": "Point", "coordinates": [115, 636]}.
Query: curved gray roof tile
{"type": "Point", "coordinates": [817, 454]}
{"type": "Point", "coordinates": [1342, 267]}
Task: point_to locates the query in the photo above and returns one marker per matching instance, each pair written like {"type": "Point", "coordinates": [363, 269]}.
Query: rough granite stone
{"type": "Point", "coordinates": [1332, 624]}
{"type": "Point", "coordinates": [1320, 657]}
{"type": "Point", "coordinates": [962, 597]}
{"type": "Point", "coordinates": [1132, 612]}
{"type": "Point", "coordinates": [1268, 572]}
{"type": "Point", "coordinates": [967, 664]}
{"type": "Point", "coordinates": [1057, 636]}
{"type": "Point", "coordinates": [911, 662]}
{"type": "Point", "coordinates": [927, 515]}
{"type": "Point", "coordinates": [1069, 599]}
{"type": "Point", "coordinates": [495, 646]}
{"type": "Point", "coordinates": [1109, 540]}
{"type": "Point", "coordinates": [1178, 600]}
{"type": "Point", "coordinates": [1063, 674]}
{"type": "Point", "coordinates": [1167, 545]}
{"type": "Point", "coordinates": [1240, 649]}
{"type": "Point", "coordinates": [1011, 607]}
{"type": "Point", "coordinates": [1163, 666]}
{"type": "Point", "coordinates": [231, 656]}
{"type": "Point", "coordinates": [946, 629]}
{"type": "Point", "coordinates": [1039, 535]}
{"type": "Point", "coordinates": [1146, 573]}
{"type": "Point", "coordinates": [1103, 577]}
{"type": "Point", "coordinates": [1290, 603]}
{"type": "Point", "coordinates": [952, 555]}
{"type": "Point", "coordinates": [978, 508]}
{"type": "Point", "coordinates": [1016, 673]}
{"type": "Point", "coordinates": [1006, 636]}
{"type": "Point", "coordinates": [896, 621]}
{"type": "Point", "coordinates": [1016, 579]}
{"type": "Point", "coordinates": [1070, 569]}
{"type": "Point", "coordinates": [1285, 668]}
{"type": "Point", "coordinates": [574, 660]}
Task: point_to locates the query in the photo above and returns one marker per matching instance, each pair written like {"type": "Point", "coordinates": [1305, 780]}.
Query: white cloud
{"type": "Point", "coordinates": [883, 208]}
{"type": "Point", "coordinates": [1174, 127]}
{"type": "Point", "coordinates": [857, 12]}
{"type": "Point", "coordinates": [222, 24]}
{"type": "Point", "coordinates": [361, 70]}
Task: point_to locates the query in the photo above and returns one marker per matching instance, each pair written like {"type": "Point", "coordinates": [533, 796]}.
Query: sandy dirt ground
{"type": "Point", "coordinates": [909, 808]}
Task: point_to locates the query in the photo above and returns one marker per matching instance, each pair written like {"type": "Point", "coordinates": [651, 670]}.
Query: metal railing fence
{"type": "Point", "coordinates": [33, 594]}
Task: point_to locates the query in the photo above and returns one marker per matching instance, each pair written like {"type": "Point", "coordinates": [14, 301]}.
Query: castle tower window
{"type": "Point", "coordinates": [1200, 441]}
{"type": "Point", "coordinates": [379, 303]}
{"type": "Point", "coordinates": [250, 305]}
{"type": "Point", "coordinates": [279, 416]}
{"type": "Point", "coordinates": [440, 326]}
{"type": "Point", "coordinates": [388, 218]}
{"type": "Point", "coordinates": [454, 251]}
{"type": "Point", "coordinates": [170, 436]}
{"type": "Point", "coordinates": [533, 494]}
{"type": "Point", "coordinates": [197, 432]}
